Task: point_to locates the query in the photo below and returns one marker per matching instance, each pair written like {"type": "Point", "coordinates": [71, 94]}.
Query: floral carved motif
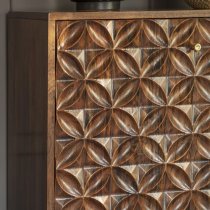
{"type": "Point", "coordinates": [133, 115]}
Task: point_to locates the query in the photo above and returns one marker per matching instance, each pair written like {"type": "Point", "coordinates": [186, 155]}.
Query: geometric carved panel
{"type": "Point", "coordinates": [133, 114]}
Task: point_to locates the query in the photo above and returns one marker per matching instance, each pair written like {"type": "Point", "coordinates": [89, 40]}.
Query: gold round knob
{"type": "Point", "coordinates": [198, 47]}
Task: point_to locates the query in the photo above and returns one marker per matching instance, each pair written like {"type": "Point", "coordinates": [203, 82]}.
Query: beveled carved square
{"type": "Point", "coordinates": [133, 115]}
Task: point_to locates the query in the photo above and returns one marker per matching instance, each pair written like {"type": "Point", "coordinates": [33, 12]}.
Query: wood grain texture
{"type": "Point", "coordinates": [55, 16]}
{"type": "Point", "coordinates": [114, 115]}
{"type": "Point", "coordinates": [51, 115]}
{"type": "Point", "coordinates": [27, 114]}
{"type": "Point", "coordinates": [127, 14]}
{"type": "Point", "coordinates": [133, 108]}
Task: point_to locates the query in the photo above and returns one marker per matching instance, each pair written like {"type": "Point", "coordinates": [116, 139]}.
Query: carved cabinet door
{"type": "Point", "coordinates": [133, 114]}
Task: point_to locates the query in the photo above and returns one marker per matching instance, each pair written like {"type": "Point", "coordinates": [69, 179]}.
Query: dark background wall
{"type": "Point", "coordinates": [45, 5]}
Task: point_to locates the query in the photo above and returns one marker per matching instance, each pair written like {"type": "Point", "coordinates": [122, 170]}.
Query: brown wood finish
{"type": "Point", "coordinates": [128, 110]}
{"type": "Point", "coordinates": [112, 15]}
{"type": "Point", "coordinates": [51, 115]}
{"type": "Point", "coordinates": [133, 114]}
{"type": "Point", "coordinates": [27, 114]}
{"type": "Point", "coordinates": [128, 15]}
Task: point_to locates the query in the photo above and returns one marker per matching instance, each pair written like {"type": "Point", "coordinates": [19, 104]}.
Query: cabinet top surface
{"type": "Point", "coordinates": [110, 15]}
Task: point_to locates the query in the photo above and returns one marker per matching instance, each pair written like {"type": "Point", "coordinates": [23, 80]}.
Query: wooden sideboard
{"type": "Point", "coordinates": [109, 110]}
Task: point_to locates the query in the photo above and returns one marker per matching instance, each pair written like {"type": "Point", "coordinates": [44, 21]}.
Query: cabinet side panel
{"type": "Point", "coordinates": [27, 114]}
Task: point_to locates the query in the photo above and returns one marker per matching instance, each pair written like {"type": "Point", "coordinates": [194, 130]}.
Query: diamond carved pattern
{"type": "Point", "coordinates": [133, 115]}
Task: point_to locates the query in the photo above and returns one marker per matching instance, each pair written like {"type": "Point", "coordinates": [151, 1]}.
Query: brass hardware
{"type": "Point", "coordinates": [198, 47]}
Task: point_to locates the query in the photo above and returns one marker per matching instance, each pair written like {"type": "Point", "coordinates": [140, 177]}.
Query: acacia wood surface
{"type": "Point", "coordinates": [133, 114]}
{"type": "Point", "coordinates": [111, 15]}
{"type": "Point", "coordinates": [128, 110]}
